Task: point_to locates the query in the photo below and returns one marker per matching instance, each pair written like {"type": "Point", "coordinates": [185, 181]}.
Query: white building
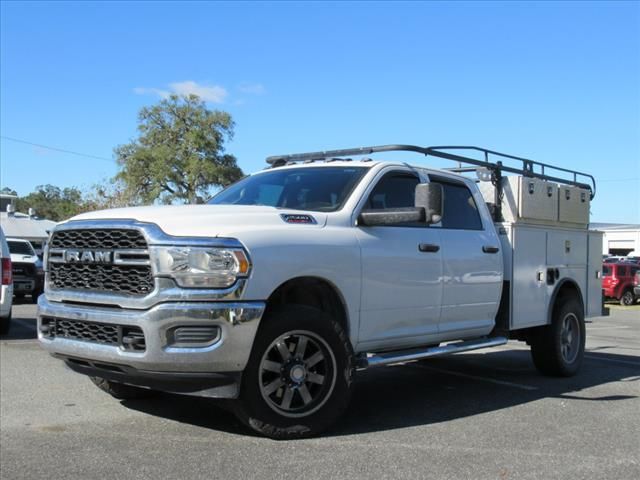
{"type": "Point", "coordinates": [25, 226]}
{"type": "Point", "coordinates": [619, 239]}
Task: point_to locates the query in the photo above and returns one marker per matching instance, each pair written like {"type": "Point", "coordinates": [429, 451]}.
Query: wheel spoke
{"type": "Point", "coordinates": [273, 386]}
{"type": "Point", "coordinates": [315, 358]}
{"type": "Point", "coordinates": [284, 351]}
{"type": "Point", "coordinates": [270, 366]}
{"type": "Point", "coordinates": [302, 346]}
{"type": "Point", "coordinates": [286, 400]}
{"type": "Point", "coordinates": [315, 378]}
{"type": "Point", "coordinates": [304, 393]}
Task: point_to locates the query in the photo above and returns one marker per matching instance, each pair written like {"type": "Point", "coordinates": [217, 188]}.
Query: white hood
{"type": "Point", "coordinates": [206, 220]}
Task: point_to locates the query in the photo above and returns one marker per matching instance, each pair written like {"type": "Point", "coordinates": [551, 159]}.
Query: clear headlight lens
{"type": "Point", "coordinates": [204, 267]}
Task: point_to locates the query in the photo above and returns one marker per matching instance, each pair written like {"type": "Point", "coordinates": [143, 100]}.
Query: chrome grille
{"type": "Point", "coordinates": [133, 280]}
{"type": "Point", "coordinates": [103, 238]}
{"type": "Point", "coordinates": [107, 278]}
{"type": "Point", "coordinates": [127, 337]}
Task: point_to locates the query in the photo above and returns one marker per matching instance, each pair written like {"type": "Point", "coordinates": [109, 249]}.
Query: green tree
{"type": "Point", "coordinates": [52, 202]}
{"type": "Point", "coordinates": [179, 154]}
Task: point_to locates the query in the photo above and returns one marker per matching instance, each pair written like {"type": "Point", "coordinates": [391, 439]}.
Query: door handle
{"type": "Point", "coordinates": [490, 249]}
{"type": "Point", "coordinates": [428, 247]}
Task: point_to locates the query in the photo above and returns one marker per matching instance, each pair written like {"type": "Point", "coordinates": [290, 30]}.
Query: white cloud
{"type": "Point", "coordinates": [252, 88]}
{"type": "Point", "coordinates": [151, 91]}
{"type": "Point", "coordinates": [208, 93]}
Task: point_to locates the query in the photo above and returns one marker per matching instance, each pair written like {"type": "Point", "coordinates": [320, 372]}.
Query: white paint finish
{"type": "Point", "coordinates": [529, 296]}
{"type": "Point", "coordinates": [331, 254]}
{"type": "Point", "coordinates": [472, 280]}
{"type": "Point", "coordinates": [401, 286]}
{"type": "Point", "coordinates": [593, 300]}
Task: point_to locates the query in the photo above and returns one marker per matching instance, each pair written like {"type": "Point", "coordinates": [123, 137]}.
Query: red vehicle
{"type": "Point", "coordinates": [617, 281]}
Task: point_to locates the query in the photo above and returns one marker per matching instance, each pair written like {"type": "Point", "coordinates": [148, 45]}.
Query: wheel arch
{"type": "Point", "coordinates": [314, 292]}
{"type": "Point", "coordinates": [566, 287]}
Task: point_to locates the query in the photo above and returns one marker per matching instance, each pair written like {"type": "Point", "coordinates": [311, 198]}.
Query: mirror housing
{"type": "Point", "coordinates": [429, 197]}
{"type": "Point", "coordinates": [391, 216]}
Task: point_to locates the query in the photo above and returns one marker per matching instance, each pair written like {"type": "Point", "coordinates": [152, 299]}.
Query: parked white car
{"type": "Point", "coordinates": [6, 290]}
{"type": "Point", "coordinates": [28, 273]}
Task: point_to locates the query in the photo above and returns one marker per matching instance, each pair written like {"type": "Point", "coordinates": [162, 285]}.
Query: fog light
{"type": "Point", "coordinates": [195, 336]}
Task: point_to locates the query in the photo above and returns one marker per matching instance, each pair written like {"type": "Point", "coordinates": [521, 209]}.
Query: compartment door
{"type": "Point", "coordinates": [529, 297]}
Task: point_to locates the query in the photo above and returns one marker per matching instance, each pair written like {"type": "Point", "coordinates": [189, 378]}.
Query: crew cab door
{"type": "Point", "coordinates": [401, 270]}
{"type": "Point", "coordinates": [472, 262]}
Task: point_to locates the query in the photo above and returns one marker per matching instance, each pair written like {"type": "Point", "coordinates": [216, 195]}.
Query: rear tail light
{"type": "Point", "coordinates": [7, 276]}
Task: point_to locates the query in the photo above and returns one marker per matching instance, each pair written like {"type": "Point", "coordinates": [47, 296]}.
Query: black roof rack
{"type": "Point", "coordinates": [526, 167]}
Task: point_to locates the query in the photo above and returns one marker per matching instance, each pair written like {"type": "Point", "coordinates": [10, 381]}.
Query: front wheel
{"type": "Point", "coordinates": [298, 380]}
{"type": "Point", "coordinates": [557, 349]}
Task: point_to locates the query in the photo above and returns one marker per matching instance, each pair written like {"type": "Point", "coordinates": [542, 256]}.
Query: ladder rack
{"type": "Point", "coordinates": [526, 167]}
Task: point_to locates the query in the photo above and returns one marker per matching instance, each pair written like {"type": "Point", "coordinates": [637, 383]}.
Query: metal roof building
{"type": "Point", "coordinates": [20, 225]}
{"type": "Point", "coordinates": [619, 238]}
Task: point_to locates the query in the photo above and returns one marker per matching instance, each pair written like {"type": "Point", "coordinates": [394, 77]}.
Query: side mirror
{"type": "Point", "coordinates": [429, 197]}
{"type": "Point", "coordinates": [391, 216]}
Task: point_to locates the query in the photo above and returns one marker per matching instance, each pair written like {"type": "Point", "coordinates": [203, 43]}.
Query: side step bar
{"type": "Point", "coordinates": [401, 356]}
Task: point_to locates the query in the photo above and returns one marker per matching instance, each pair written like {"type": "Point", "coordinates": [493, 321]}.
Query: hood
{"type": "Point", "coordinates": [207, 220]}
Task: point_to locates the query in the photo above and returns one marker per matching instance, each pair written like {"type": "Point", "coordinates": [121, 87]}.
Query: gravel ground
{"type": "Point", "coordinates": [484, 414]}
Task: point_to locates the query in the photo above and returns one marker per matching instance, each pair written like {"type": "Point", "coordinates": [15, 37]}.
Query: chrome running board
{"type": "Point", "coordinates": [401, 356]}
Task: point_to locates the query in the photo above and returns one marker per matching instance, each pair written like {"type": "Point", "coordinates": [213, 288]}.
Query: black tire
{"type": "Point", "coordinates": [122, 391]}
{"type": "Point", "coordinates": [5, 324]}
{"type": "Point", "coordinates": [558, 349]}
{"type": "Point", "coordinates": [306, 392]}
{"type": "Point", "coordinates": [627, 298]}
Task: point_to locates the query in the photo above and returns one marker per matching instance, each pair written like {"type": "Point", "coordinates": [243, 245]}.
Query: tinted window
{"type": "Point", "coordinates": [606, 271]}
{"type": "Point", "coordinates": [460, 209]}
{"type": "Point", "coordinates": [395, 190]}
{"type": "Point", "coordinates": [20, 248]}
{"type": "Point", "coordinates": [323, 189]}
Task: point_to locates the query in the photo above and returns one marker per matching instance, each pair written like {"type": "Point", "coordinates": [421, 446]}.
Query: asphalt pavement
{"type": "Point", "coordinates": [485, 414]}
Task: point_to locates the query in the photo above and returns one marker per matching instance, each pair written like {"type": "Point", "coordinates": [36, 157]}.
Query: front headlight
{"type": "Point", "coordinates": [203, 267]}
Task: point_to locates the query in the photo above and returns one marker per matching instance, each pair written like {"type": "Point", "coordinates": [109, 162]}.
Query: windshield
{"type": "Point", "coordinates": [20, 248]}
{"type": "Point", "coordinates": [321, 189]}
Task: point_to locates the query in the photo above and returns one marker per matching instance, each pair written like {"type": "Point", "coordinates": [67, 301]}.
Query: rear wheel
{"type": "Point", "coordinates": [120, 390]}
{"type": "Point", "coordinates": [627, 298]}
{"type": "Point", "coordinates": [298, 380]}
{"type": "Point", "coordinates": [558, 349]}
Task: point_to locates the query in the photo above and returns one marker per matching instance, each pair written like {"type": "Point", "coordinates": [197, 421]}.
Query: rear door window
{"type": "Point", "coordinates": [460, 209]}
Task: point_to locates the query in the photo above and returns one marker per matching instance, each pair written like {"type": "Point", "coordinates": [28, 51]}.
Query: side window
{"type": "Point", "coordinates": [394, 190]}
{"type": "Point", "coordinates": [460, 209]}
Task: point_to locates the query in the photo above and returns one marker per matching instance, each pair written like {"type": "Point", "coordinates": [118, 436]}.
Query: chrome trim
{"type": "Point", "coordinates": [238, 323]}
{"type": "Point", "coordinates": [165, 289]}
{"type": "Point", "coordinates": [389, 358]}
{"type": "Point", "coordinates": [132, 261]}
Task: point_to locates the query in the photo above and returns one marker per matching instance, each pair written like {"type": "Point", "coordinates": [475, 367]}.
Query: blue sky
{"type": "Point", "coordinates": [556, 82]}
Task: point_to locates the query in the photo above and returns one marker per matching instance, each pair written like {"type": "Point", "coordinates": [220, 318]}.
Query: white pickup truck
{"type": "Point", "coordinates": [286, 283]}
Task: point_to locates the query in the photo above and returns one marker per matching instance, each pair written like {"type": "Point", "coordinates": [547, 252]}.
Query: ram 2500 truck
{"type": "Point", "coordinates": [288, 282]}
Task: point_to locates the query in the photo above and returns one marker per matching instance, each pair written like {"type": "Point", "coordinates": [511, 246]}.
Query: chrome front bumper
{"type": "Point", "coordinates": [238, 323]}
